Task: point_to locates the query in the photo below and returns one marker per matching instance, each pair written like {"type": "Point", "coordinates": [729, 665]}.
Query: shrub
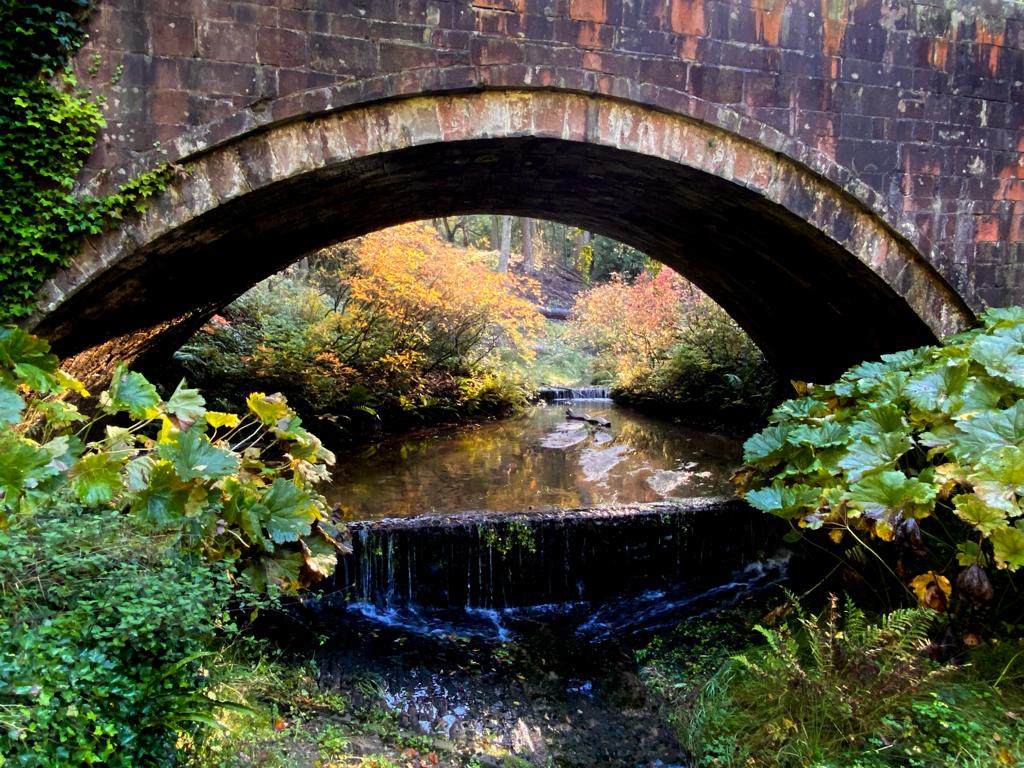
{"type": "Point", "coordinates": [668, 347]}
{"type": "Point", "coordinates": [394, 328]}
{"type": "Point", "coordinates": [103, 660]}
{"type": "Point", "coordinates": [812, 692]}
{"type": "Point", "coordinates": [122, 537]}
{"type": "Point", "coordinates": [935, 431]}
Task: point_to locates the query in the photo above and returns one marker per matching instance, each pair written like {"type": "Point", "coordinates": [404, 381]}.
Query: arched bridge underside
{"type": "Point", "coordinates": [818, 278]}
{"type": "Point", "coordinates": [844, 176]}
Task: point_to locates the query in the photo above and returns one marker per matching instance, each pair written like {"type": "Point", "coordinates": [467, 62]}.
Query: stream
{"type": "Point", "coordinates": [539, 459]}
{"type": "Point", "coordinates": [504, 576]}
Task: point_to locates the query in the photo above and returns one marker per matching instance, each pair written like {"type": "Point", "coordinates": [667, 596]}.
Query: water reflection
{"type": "Point", "coordinates": [540, 459]}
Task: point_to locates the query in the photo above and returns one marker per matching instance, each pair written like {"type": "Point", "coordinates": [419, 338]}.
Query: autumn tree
{"type": "Point", "coordinates": [395, 322]}
{"type": "Point", "coordinates": [666, 345]}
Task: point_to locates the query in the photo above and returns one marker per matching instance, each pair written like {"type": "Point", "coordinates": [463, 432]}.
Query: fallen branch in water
{"type": "Point", "coordinates": [569, 414]}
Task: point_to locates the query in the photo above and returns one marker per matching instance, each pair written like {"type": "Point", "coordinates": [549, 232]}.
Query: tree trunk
{"type": "Point", "coordinates": [528, 265]}
{"type": "Point", "coordinates": [506, 243]}
{"type": "Point", "coordinates": [495, 245]}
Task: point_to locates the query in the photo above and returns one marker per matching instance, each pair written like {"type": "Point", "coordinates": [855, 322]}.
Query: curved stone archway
{"type": "Point", "coordinates": [818, 280]}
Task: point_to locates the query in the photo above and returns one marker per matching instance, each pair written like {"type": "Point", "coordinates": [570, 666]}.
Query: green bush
{"type": "Point", "coordinates": [714, 375]}
{"type": "Point", "coordinates": [935, 432]}
{"type": "Point", "coordinates": [833, 690]}
{"type": "Point", "coordinates": [102, 661]}
{"type": "Point", "coordinates": [122, 537]}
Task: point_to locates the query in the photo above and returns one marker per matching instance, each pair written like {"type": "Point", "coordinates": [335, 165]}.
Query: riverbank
{"type": "Point", "coordinates": [377, 695]}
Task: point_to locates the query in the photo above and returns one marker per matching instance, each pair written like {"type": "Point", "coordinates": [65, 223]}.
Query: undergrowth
{"type": "Point", "coordinates": [837, 689]}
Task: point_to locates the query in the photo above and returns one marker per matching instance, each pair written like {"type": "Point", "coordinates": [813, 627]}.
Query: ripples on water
{"type": "Point", "coordinates": [540, 459]}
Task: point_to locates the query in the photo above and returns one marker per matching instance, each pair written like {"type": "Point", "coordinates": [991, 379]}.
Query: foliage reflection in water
{"type": "Point", "coordinates": [540, 459]}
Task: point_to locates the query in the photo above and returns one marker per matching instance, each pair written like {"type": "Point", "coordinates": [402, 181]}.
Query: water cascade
{"type": "Point", "coordinates": [606, 559]}
{"type": "Point", "coordinates": [554, 394]}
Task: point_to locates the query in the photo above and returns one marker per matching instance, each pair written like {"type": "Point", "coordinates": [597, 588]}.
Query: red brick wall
{"type": "Point", "coordinates": [914, 108]}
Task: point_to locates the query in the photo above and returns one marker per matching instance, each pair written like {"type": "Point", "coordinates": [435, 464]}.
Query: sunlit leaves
{"type": "Point", "coordinates": [271, 410]}
{"type": "Point", "coordinates": [936, 390]}
{"type": "Point", "coordinates": [870, 454]}
{"type": "Point", "coordinates": [216, 419]}
{"type": "Point", "coordinates": [96, 479]}
{"type": "Point", "coordinates": [291, 511]}
{"type": "Point", "coordinates": [172, 469]}
{"type": "Point", "coordinates": [186, 404]}
{"type": "Point", "coordinates": [990, 429]}
{"type": "Point", "coordinates": [890, 490]}
{"type": "Point", "coordinates": [320, 554]}
{"type": "Point", "coordinates": [132, 393]}
{"type": "Point", "coordinates": [934, 426]}
{"type": "Point", "coordinates": [193, 456]}
{"type": "Point", "coordinates": [975, 512]}
{"type": "Point", "coordinates": [1008, 547]}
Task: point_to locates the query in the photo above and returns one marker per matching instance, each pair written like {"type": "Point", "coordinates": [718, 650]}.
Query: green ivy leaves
{"type": "Point", "coordinates": [893, 438]}
{"type": "Point", "coordinates": [47, 129]}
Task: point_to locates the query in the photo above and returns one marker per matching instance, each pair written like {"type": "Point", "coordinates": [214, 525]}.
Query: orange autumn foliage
{"type": "Point", "coordinates": [632, 327]}
{"type": "Point", "coordinates": [434, 303]}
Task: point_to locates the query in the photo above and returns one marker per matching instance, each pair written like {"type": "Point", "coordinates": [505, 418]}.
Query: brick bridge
{"type": "Point", "coordinates": [845, 176]}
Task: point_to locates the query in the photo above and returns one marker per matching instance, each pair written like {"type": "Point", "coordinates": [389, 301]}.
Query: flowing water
{"type": "Point", "coordinates": [480, 623]}
{"type": "Point", "coordinates": [541, 459]}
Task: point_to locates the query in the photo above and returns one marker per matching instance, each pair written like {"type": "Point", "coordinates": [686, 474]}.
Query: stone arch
{"type": "Point", "coordinates": [819, 280]}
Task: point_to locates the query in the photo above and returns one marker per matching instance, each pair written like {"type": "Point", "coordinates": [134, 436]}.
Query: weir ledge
{"type": "Point", "coordinates": [485, 559]}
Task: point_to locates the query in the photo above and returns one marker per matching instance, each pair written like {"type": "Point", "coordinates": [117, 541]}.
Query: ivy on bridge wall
{"type": "Point", "coordinates": [47, 129]}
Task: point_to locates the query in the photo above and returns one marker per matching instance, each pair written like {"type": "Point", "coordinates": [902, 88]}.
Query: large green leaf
{"type": "Point", "coordinates": [878, 421]}
{"type": "Point", "coordinates": [870, 454]}
{"type": "Point", "coordinates": [823, 436]}
{"type": "Point", "coordinates": [20, 348]}
{"type": "Point", "coordinates": [1008, 547]}
{"type": "Point", "coordinates": [799, 409]}
{"type": "Point", "coordinates": [164, 497]}
{"type": "Point", "coordinates": [938, 390]}
{"type": "Point", "coordinates": [785, 501]}
{"type": "Point", "coordinates": [23, 465]}
{"type": "Point", "coordinates": [890, 489]}
{"type": "Point", "coordinates": [186, 404]}
{"type": "Point", "coordinates": [1000, 353]}
{"type": "Point", "coordinates": [11, 406]}
{"type": "Point", "coordinates": [976, 512]}
{"type": "Point", "coordinates": [193, 456]}
{"type": "Point", "coordinates": [989, 430]}
{"type": "Point", "coordinates": [131, 392]}
{"type": "Point", "coordinates": [981, 395]}
{"type": "Point", "coordinates": [96, 479]}
{"type": "Point", "coordinates": [767, 446]}
{"type": "Point", "coordinates": [1000, 471]}
{"type": "Point", "coordinates": [291, 511]}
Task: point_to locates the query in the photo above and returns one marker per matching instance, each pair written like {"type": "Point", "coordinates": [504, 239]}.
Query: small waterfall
{"type": "Point", "coordinates": [555, 394]}
{"type": "Point", "coordinates": [616, 562]}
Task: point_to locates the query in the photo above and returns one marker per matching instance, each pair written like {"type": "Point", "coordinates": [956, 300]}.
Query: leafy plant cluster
{"type": "Point", "coordinates": [932, 430]}
{"type": "Point", "coordinates": [395, 329]}
{"type": "Point", "coordinates": [665, 345]}
{"type": "Point", "coordinates": [47, 129]}
{"type": "Point", "coordinates": [104, 656]}
{"type": "Point", "coordinates": [836, 689]}
{"type": "Point", "coordinates": [123, 537]}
